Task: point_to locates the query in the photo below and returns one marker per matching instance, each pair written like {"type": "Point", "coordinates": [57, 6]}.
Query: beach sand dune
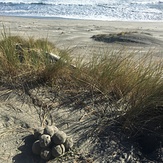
{"type": "Point", "coordinates": [21, 112]}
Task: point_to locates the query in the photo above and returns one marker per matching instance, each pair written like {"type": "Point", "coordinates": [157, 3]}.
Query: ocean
{"type": "Point", "coordinates": [111, 10]}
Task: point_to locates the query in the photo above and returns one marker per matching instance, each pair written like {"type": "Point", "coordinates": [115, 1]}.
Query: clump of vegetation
{"type": "Point", "coordinates": [23, 60]}
{"type": "Point", "coordinates": [135, 87]}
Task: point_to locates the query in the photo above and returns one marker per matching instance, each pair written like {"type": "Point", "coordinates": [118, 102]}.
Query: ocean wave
{"type": "Point", "coordinates": [80, 2]}
{"type": "Point", "coordinates": [92, 9]}
{"type": "Point", "coordinates": [55, 2]}
{"type": "Point", "coordinates": [146, 2]}
{"type": "Point", "coordinates": [63, 2]}
{"type": "Point", "coordinates": [22, 3]}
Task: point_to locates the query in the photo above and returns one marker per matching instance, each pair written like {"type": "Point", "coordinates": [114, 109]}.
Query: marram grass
{"type": "Point", "coordinates": [136, 83]}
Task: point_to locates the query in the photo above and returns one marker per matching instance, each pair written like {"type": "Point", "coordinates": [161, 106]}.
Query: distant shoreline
{"type": "Point", "coordinates": [64, 18]}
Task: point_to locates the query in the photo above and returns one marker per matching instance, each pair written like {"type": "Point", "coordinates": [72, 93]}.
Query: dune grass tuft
{"type": "Point", "coordinates": [24, 59]}
{"type": "Point", "coordinates": [123, 80]}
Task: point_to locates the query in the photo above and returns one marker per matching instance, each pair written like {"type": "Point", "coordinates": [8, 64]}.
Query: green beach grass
{"type": "Point", "coordinates": [135, 86]}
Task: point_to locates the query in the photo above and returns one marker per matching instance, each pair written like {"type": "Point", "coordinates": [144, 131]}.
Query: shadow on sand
{"type": "Point", "coordinates": [26, 155]}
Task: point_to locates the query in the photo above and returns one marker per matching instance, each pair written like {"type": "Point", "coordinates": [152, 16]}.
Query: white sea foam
{"type": "Point", "coordinates": [139, 10]}
{"type": "Point", "coordinates": [83, 2]}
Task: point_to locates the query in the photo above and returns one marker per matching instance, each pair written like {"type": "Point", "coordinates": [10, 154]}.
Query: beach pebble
{"type": "Point", "coordinates": [36, 149]}
{"type": "Point", "coordinates": [50, 130]}
{"type": "Point", "coordinates": [45, 140]}
{"type": "Point", "coordinates": [68, 143]}
{"type": "Point", "coordinates": [58, 150]}
{"type": "Point", "coordinates": [59, 138]}
{"type": "Point", "coordinates": [38, 132]}
{"type": "Point", "coordinates": [45, 154]}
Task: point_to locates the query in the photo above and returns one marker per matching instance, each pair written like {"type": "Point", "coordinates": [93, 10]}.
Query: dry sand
{"type": "Point", "coordinates": [20, 112]}
{"type": "Point", "coordinates": [70, 33]}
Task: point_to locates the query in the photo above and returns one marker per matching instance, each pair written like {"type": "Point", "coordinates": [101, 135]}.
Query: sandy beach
{"type": "Point", "coordinates": [21, 111]}
{"type": "Point", "coordinates": [71, 33]}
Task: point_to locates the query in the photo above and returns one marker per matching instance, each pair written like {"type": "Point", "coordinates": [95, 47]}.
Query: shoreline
{"type": "Point", "coordinates": [86, 19]}
{"type": "Point", "coordinates": [67, 18]}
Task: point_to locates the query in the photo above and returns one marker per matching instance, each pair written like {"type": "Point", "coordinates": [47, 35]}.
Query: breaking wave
{"type": "Point", "coordinates": [133, 10]}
